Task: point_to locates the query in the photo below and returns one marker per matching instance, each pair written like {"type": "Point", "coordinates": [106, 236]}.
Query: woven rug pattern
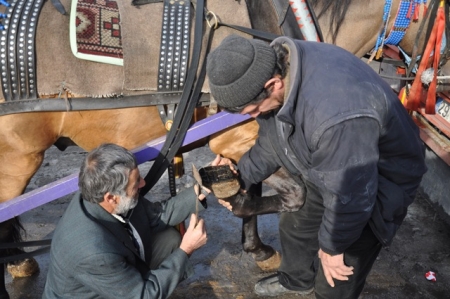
{"type": "Point", "coordinates": [98, 28]}
{"type": "Point", "coordinates": [59, 69]}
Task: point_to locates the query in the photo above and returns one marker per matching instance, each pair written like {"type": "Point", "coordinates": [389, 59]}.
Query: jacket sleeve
{"type": "Point", "coordinates": [258, 163]}
{"type": "Point", "coordinates": [174, 210]}
{"type": "Point", "coordinates": [344, 168]}
{"type": "Point", "coordinates": [110, 276]}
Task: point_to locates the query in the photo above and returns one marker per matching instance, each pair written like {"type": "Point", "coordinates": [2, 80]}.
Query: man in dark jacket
{"type": "Point", "coordinates": [110, 243]}
{"type": "Point", "coordinates": [328, 118]}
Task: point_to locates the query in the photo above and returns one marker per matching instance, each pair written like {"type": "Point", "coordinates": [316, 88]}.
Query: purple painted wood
{"type": "Point", "coordinates": [146, 152]}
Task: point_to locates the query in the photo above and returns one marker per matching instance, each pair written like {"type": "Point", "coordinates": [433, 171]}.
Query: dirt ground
{"type": "Point", "coordinates": [223, 270]}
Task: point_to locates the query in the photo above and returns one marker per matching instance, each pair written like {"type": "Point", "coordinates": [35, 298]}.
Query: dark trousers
{"type": "Point", "coordinates": [300, 266]}
{"type": "Point", "coordinates": [163, 244]}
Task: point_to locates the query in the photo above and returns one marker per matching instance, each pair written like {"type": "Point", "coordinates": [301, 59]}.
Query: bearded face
{"type": "Point", "coordinates": [129, 198]}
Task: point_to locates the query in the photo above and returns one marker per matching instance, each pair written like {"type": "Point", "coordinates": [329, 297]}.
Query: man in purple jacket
{"type": "Point", "coordinates": [326, 117]}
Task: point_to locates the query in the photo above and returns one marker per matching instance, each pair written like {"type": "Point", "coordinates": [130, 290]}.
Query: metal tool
{"type": "Point", "coordinates": [198, 179]}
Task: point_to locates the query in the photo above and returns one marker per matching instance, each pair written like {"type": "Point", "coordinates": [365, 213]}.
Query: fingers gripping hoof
{"type": "Point", "coordinates": [23, 268]}
{"type": "Point", "coordinates": [271, 264]}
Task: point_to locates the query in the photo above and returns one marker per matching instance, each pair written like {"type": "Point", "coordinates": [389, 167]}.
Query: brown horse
{"type": "Point", "coordinates": [353, 25]}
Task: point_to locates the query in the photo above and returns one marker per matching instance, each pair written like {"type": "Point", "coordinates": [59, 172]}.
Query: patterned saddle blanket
{"type": "Point", "coordinates": [139, 33]}
{"type": "Point", "coordinates": [95, 31]}
{"type": "Point", "coordinates": [120, 33]}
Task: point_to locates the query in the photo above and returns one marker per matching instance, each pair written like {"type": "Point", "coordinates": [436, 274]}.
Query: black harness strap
{"type": "Point", "coordinates": [287, 20]}
{"type": "Point", "coordinates": [173, 61]}
{"type": "Point", "coordinates": [185, 110]}
{"type": "Point", "coordinates": [142, 2]}
{"type": "Point", "coordinates": [46, 243]}
{"type": "Point", "coordinates": [257, 33]}
{"type": "Point", "coordinates": [26, 244]}
{"type": "Point", "coordinates": [25, 255]}
{"type": "Point", "coordinates": [280, 10]}
{"type": "Point", "coordinates": [59, 7]}
{"type": "Point", "coordinates": [174, 50]}
{"type": "Point", "coordinates": [315, 20]}
{"type": "Point", "coordinates": [82, 104]}
{"type": "Point", "coordinates": [17, 59]}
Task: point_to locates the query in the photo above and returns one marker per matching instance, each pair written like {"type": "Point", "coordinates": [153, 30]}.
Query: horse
{"type": "Point", "coordinates": [351, 24]}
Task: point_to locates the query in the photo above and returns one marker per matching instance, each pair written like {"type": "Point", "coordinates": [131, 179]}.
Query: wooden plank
{"type": "Point", "coordinates": [437, 142]}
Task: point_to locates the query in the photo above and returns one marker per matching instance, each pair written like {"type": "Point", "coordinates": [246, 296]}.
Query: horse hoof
{"type": "Point", "coordinates": [23, 268]}
{"type": "Point", "coordinates": [271, 264]}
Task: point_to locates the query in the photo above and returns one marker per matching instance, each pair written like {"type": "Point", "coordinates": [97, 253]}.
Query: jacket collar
{"type": "Point", "coordinates": [287, 111]}
{"type": "Point", "coordinates": [99, 215]}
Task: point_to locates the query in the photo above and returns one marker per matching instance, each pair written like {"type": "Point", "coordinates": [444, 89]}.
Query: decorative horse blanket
{"type": "Point", "coordinates": [59, 70]}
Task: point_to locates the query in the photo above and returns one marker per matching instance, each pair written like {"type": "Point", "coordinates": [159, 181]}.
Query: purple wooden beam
{"type": "Point", "coordinates": [146, 152]}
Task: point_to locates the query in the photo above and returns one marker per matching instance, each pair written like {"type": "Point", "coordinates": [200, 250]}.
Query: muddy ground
{"type": "Point", "coordinates": [223, 270]}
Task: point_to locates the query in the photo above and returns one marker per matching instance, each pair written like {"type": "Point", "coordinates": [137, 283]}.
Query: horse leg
{"type": "Point", "coordinates": [4, 233]}
{"type": "Point", "coordinates": [9, 233]}
{"type": "Point", "coordinates": [3, 292]}
{"type": "Point", "coordinates": [267, 258]}
{"type": "Point", "coordinates": [289, 198]}
{"type": "Point", "coordinates": [20, 268]}
{"type": "Point", "coordinates": [23, 141]}
{"type": "Point", "coordinates": [264, 255]}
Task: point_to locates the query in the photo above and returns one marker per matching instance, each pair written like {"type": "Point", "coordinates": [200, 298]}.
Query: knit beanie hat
{"type": "Point", "coordinates": [238, 69]}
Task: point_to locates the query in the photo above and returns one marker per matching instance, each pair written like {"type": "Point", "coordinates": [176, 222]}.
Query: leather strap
{"type": "Point", "coordinates": [174, 49]}
{"type": "Point", "coordinates": [26, 255]}
{"type": "Point", "coordinates": [315, 20]}
{"type": "Point", "coordinates": [82, 104]}
{"type": "Point", "coordinates": [17, 58]}
{"type": "Point", "coordinates": [185, 109]}
{"type": "Point", "coordinates": [287, 20]}
{"type": "Point", "coordinates": [257, 33]}
{"type": "Point", "coordinates": [59, 7]}
{"type": "Point", "coordinates": [173, 61]}
{"type": "Point", "coordinates": [142, 2]}
{"type": "Point", "coordinates": [26, 244]}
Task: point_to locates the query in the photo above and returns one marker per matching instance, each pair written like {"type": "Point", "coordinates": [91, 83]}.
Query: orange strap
{"type": "Point", "coordinates": [430, 58]}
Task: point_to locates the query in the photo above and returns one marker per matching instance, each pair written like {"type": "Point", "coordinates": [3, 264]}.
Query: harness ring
{"type": "Point", "coordinates": [210, 15]}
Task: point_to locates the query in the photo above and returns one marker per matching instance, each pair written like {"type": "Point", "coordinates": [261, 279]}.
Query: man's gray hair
{"type": "Point", "coordinates": [105, 169]}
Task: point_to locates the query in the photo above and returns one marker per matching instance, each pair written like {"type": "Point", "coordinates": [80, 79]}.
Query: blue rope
{"type": "Point", "coordinates": [401, 23]}
{"type": "Point", "coordinates": [386, 11]}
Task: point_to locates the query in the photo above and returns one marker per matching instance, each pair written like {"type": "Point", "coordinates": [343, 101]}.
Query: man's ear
{"type": "Point", "coordinates": [109, 198]}
{"type": "Point", "coordinates": [275, 83]}
{"type": "Point", "coordinates": [109, 202]}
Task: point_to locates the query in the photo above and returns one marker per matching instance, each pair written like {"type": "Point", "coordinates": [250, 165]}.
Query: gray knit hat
{"type": "Point", "coordinates": [238, 69]}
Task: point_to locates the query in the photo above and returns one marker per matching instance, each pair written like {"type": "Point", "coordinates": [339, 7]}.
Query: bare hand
{"type": "Point", "coordinates": [195, 236]}
{"type": "Point", "coordinates": [200, 195]}
{"type": "Point", "coordinates": [334, 267]}
{"type": "Point", "coordinates": [226, 204]}
{"type": "Point", "coordinates": [224, 161]}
